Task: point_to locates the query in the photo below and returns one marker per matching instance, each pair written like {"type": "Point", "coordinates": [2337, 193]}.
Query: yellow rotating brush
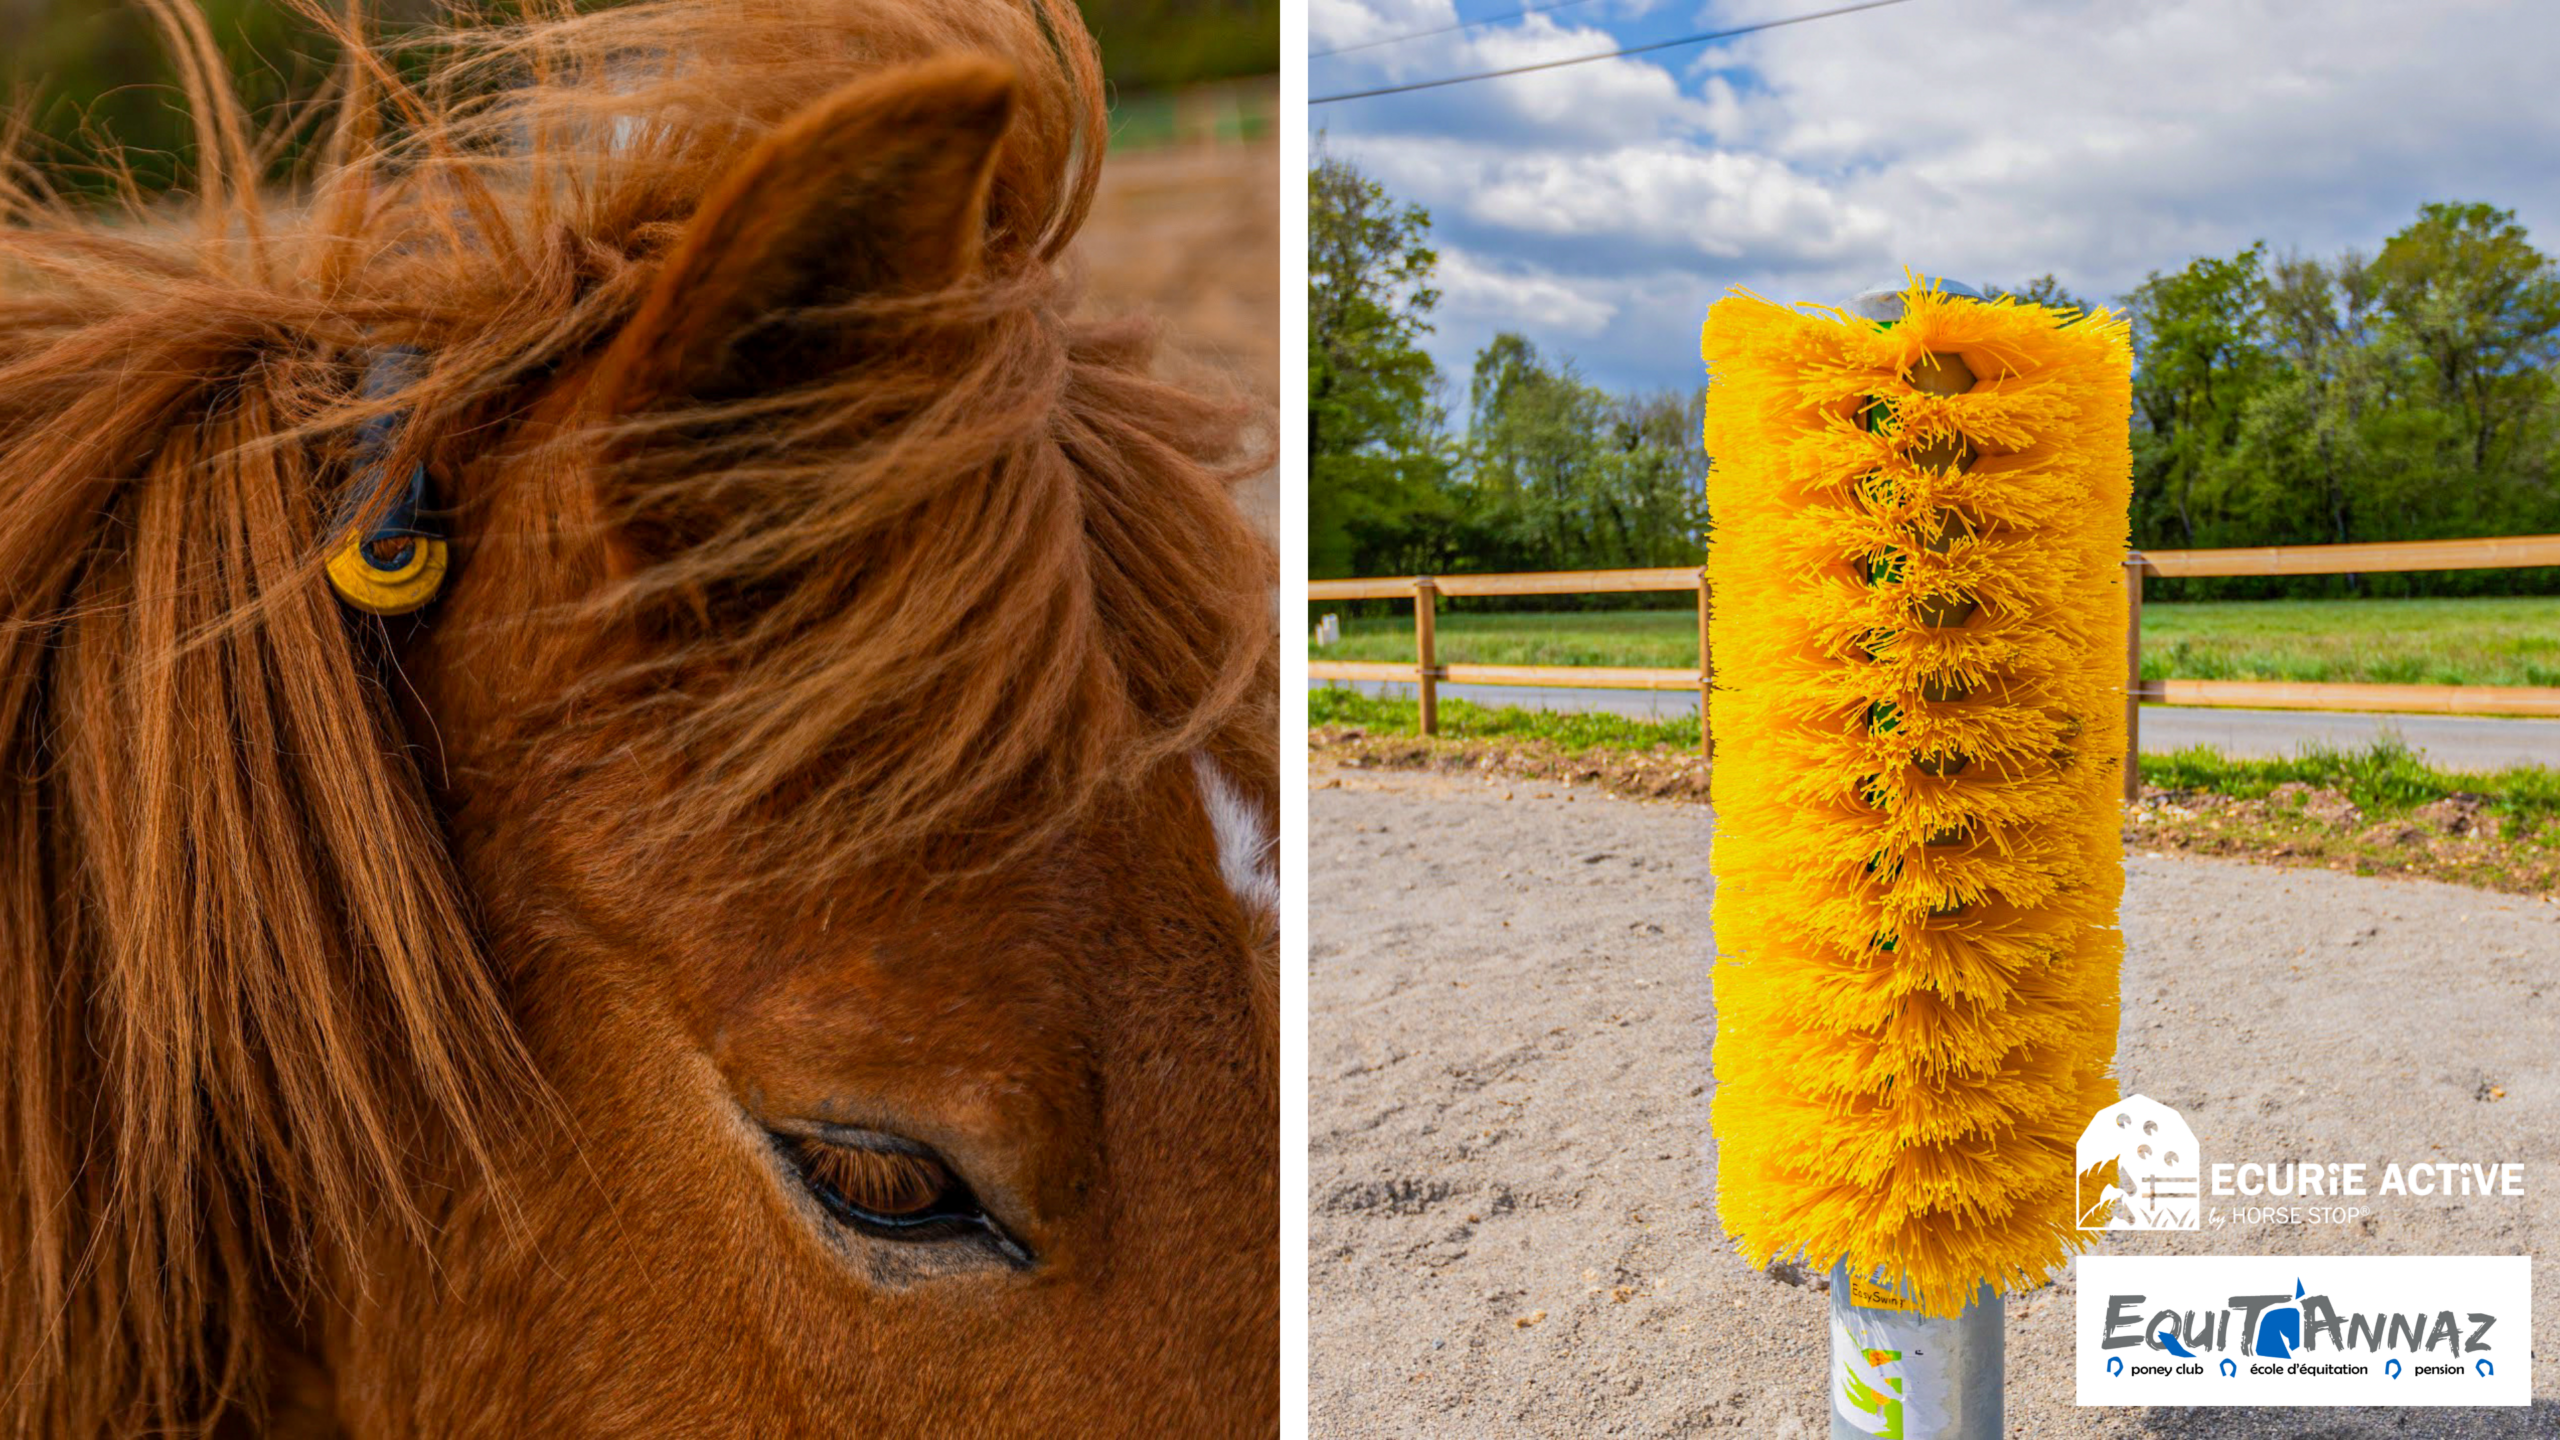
{"type": "Point", "coordinates": [1918, 641]}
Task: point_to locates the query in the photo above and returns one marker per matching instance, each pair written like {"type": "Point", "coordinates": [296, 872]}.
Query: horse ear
{"type": "Point", "coordinates": [879, 189]}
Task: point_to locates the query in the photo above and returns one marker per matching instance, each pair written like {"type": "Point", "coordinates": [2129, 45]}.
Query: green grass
{"type": "Point", "coordinates": [1665, 639]}
{"type": "Point", "coordinates": [2491, 641]}
{"type": "Point", "coordinates": [2386, 778]}
{"type": "Point", "coordinates": [2486, 641]}
{"type": "Point", "coordinates": [1465, 720]}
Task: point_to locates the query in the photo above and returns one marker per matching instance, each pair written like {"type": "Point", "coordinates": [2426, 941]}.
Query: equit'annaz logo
{"type": "Point", "coordinates": [2282, 1327]}
{"type": "Point", "coordinates": [2139, 1169]}
{"type": "Point", "coordinates": [2285, 1330]}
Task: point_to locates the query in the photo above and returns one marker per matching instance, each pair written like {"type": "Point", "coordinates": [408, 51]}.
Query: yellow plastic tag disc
{"type": "Point", "coordinates": [377, 591]}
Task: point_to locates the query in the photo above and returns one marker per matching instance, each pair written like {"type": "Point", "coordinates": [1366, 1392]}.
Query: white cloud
{"type": "Point", "coordinates": [1604, 98]}
{"type": "Point", "coordinates": [1335, 23]}
{"type": "Point", "coordinates": [1719, 204]}
{"type": "Point", "coordinates": [1477, 295]}
{"type": "Point", "coordinates": [1989, 140]}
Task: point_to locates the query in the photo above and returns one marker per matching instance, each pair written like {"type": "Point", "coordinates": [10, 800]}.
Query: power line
{"type": "Point", "coordinates": [1445, 29]}
{"type": "Point", "coordinates": [1609, 55]}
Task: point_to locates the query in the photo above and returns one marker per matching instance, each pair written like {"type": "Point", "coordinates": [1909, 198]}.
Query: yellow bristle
{"type": "Point", "coordinates": [1919, 727]}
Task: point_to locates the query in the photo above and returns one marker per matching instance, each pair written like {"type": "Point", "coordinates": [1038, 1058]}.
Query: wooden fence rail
{"type": "Point", "coordinates": [1427, 673]}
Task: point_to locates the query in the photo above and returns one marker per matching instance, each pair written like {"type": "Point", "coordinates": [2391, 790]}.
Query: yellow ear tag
{"type": "Point", "coordinates": [396, 590]}
{"type": "Point", "coordinates": [395, 565]}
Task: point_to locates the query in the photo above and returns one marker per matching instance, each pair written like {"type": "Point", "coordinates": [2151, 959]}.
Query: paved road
{"type": "Point", "coordinates": [2452, 742]}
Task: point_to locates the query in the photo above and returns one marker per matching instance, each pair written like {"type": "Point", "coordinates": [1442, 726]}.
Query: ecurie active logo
{"type": "Point", "coordinates": [2139, 1169]}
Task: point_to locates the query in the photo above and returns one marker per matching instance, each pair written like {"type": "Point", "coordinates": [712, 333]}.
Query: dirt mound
{"type": "Point", "coordinates": [1661, 773]}
{"type": "Point", "coordinates": [2454, 839]}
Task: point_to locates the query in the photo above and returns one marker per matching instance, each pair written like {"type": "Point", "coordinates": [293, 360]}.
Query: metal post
{"type": "Point", "coordinates": [1706, 665]}
{"type": "Point", "coordinates": [1897, 1373]}
{"type": "Point", "coordinates": [2133, 567]}
{"type": "Point", "coordinates": [1426, 659]}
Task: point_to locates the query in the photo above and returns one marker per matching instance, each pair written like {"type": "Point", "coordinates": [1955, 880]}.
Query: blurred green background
{"type": "Point", "coordinates": [90, 76]}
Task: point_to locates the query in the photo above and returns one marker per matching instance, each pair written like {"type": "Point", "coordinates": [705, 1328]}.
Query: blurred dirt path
{"type": "Point", "coordinates": [1512, 1229]}
{"type": "Point", "coordinates": [1190, 234]}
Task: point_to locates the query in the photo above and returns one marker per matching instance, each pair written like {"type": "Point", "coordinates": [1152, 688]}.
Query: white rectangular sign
{"type": "Point", "coordinates": [2305, 1330]}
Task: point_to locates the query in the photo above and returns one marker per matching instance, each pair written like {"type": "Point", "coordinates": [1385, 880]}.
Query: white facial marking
{"type": "Point", "coordinates": [1245, 858]}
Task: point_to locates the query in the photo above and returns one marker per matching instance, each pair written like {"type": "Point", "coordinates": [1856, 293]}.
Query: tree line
{"type": "Point", "coordinates": [1550, 472]}
{"type": "Point", "coordinates": [93, 91]}
{"type": "Point", "coordinates": [2409, 394]}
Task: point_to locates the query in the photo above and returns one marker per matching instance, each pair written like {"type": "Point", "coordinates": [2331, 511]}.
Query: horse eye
{"type": "Point", "coordinates": [893, 1189]}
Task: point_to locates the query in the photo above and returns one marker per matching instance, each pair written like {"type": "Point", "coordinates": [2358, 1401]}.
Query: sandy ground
{"type": "Point", "coordinates": [1191, 235]}
{"type": "Point", "coordinates": [1509, 1028]}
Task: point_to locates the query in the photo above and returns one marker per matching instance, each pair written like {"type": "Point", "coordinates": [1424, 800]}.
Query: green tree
{"type": "Point", "coordinates": [2196, 333]}
{"type": "Point", "coordinates": [1534, 453]}
{"type": "Point", "coordinates": [98, 88]}
{"type": "Point", "coordinates": [100, 93]}
{"type": "Point", "coordinates": [1658, 485]}
{"type": "Point", "coordinates": [1158, 44]}
{"type": "Point", "coordinates": [1374, 450]}
{"type": "Point", "coordinates": [2301, 401]}
{"type": "Point", "coordinates": [2302, 457]}
{"type": "Point", "coordinates": [2044, 290]}
{"type": "Point", "coordinates": [2483, 306]}
{"type": "Point", "coordinates": [1562, 475]}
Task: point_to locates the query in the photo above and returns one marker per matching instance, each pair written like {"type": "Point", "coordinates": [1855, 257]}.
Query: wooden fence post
{"type": "Point", "coordinates": [1426, 659]}
{"type": "Point", "coordinates": [1706, 666]}
{"type": "Point", "coordinates": [2133, 564]}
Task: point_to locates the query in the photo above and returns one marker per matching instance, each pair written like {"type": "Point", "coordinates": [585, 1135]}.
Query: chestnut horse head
{"type": "Point", "coordinates": [784, 941]}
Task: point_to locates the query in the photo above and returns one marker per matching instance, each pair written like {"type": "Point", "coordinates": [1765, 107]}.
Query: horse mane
{"type": "Point", "coordinates": [954, 597]}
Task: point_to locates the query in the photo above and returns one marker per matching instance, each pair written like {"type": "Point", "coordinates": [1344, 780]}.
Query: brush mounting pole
{"type": "Point", "coordinates": [1898, 1374]}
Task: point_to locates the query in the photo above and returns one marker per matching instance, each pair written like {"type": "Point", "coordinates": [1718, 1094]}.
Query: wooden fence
{"type": "Point", "coordinates": [1426, 674]}
{"type": "Point", "coordinates": [2510, 553]}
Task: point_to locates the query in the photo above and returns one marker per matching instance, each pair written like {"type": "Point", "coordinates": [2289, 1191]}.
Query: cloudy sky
{"type": "Point", "coordinates": [1600, 208]}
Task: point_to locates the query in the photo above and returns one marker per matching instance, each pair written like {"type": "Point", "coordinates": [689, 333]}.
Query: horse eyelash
{"type": "Point", "coordinates": [884, 1182]}
{"type": "Point", "coordinates": [895, 1194]}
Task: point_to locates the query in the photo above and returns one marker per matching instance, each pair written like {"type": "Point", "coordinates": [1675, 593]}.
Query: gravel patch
{"type": "Point", "coordinates": [1510, 1177]}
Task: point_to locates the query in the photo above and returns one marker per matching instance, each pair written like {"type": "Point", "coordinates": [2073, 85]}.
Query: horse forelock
{"type": "Point", "coordinates": [968, 592]}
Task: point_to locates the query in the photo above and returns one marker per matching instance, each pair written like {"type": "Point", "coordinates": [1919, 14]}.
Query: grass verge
{"type": "Point", "coordinates": [1466, 720]}
{"type": "Point", "coordinates": [2502, 640]}
{"type": "Point", "coordinates": [1645, 639]}
{"type": "Point", "coordinates": [1639, 759]}
{"type": "Point", "coordinates": [2376, 811]}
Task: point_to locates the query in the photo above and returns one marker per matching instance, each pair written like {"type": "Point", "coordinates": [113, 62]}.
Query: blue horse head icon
{"type": "Point", "coordinates": [2280, 1329]}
